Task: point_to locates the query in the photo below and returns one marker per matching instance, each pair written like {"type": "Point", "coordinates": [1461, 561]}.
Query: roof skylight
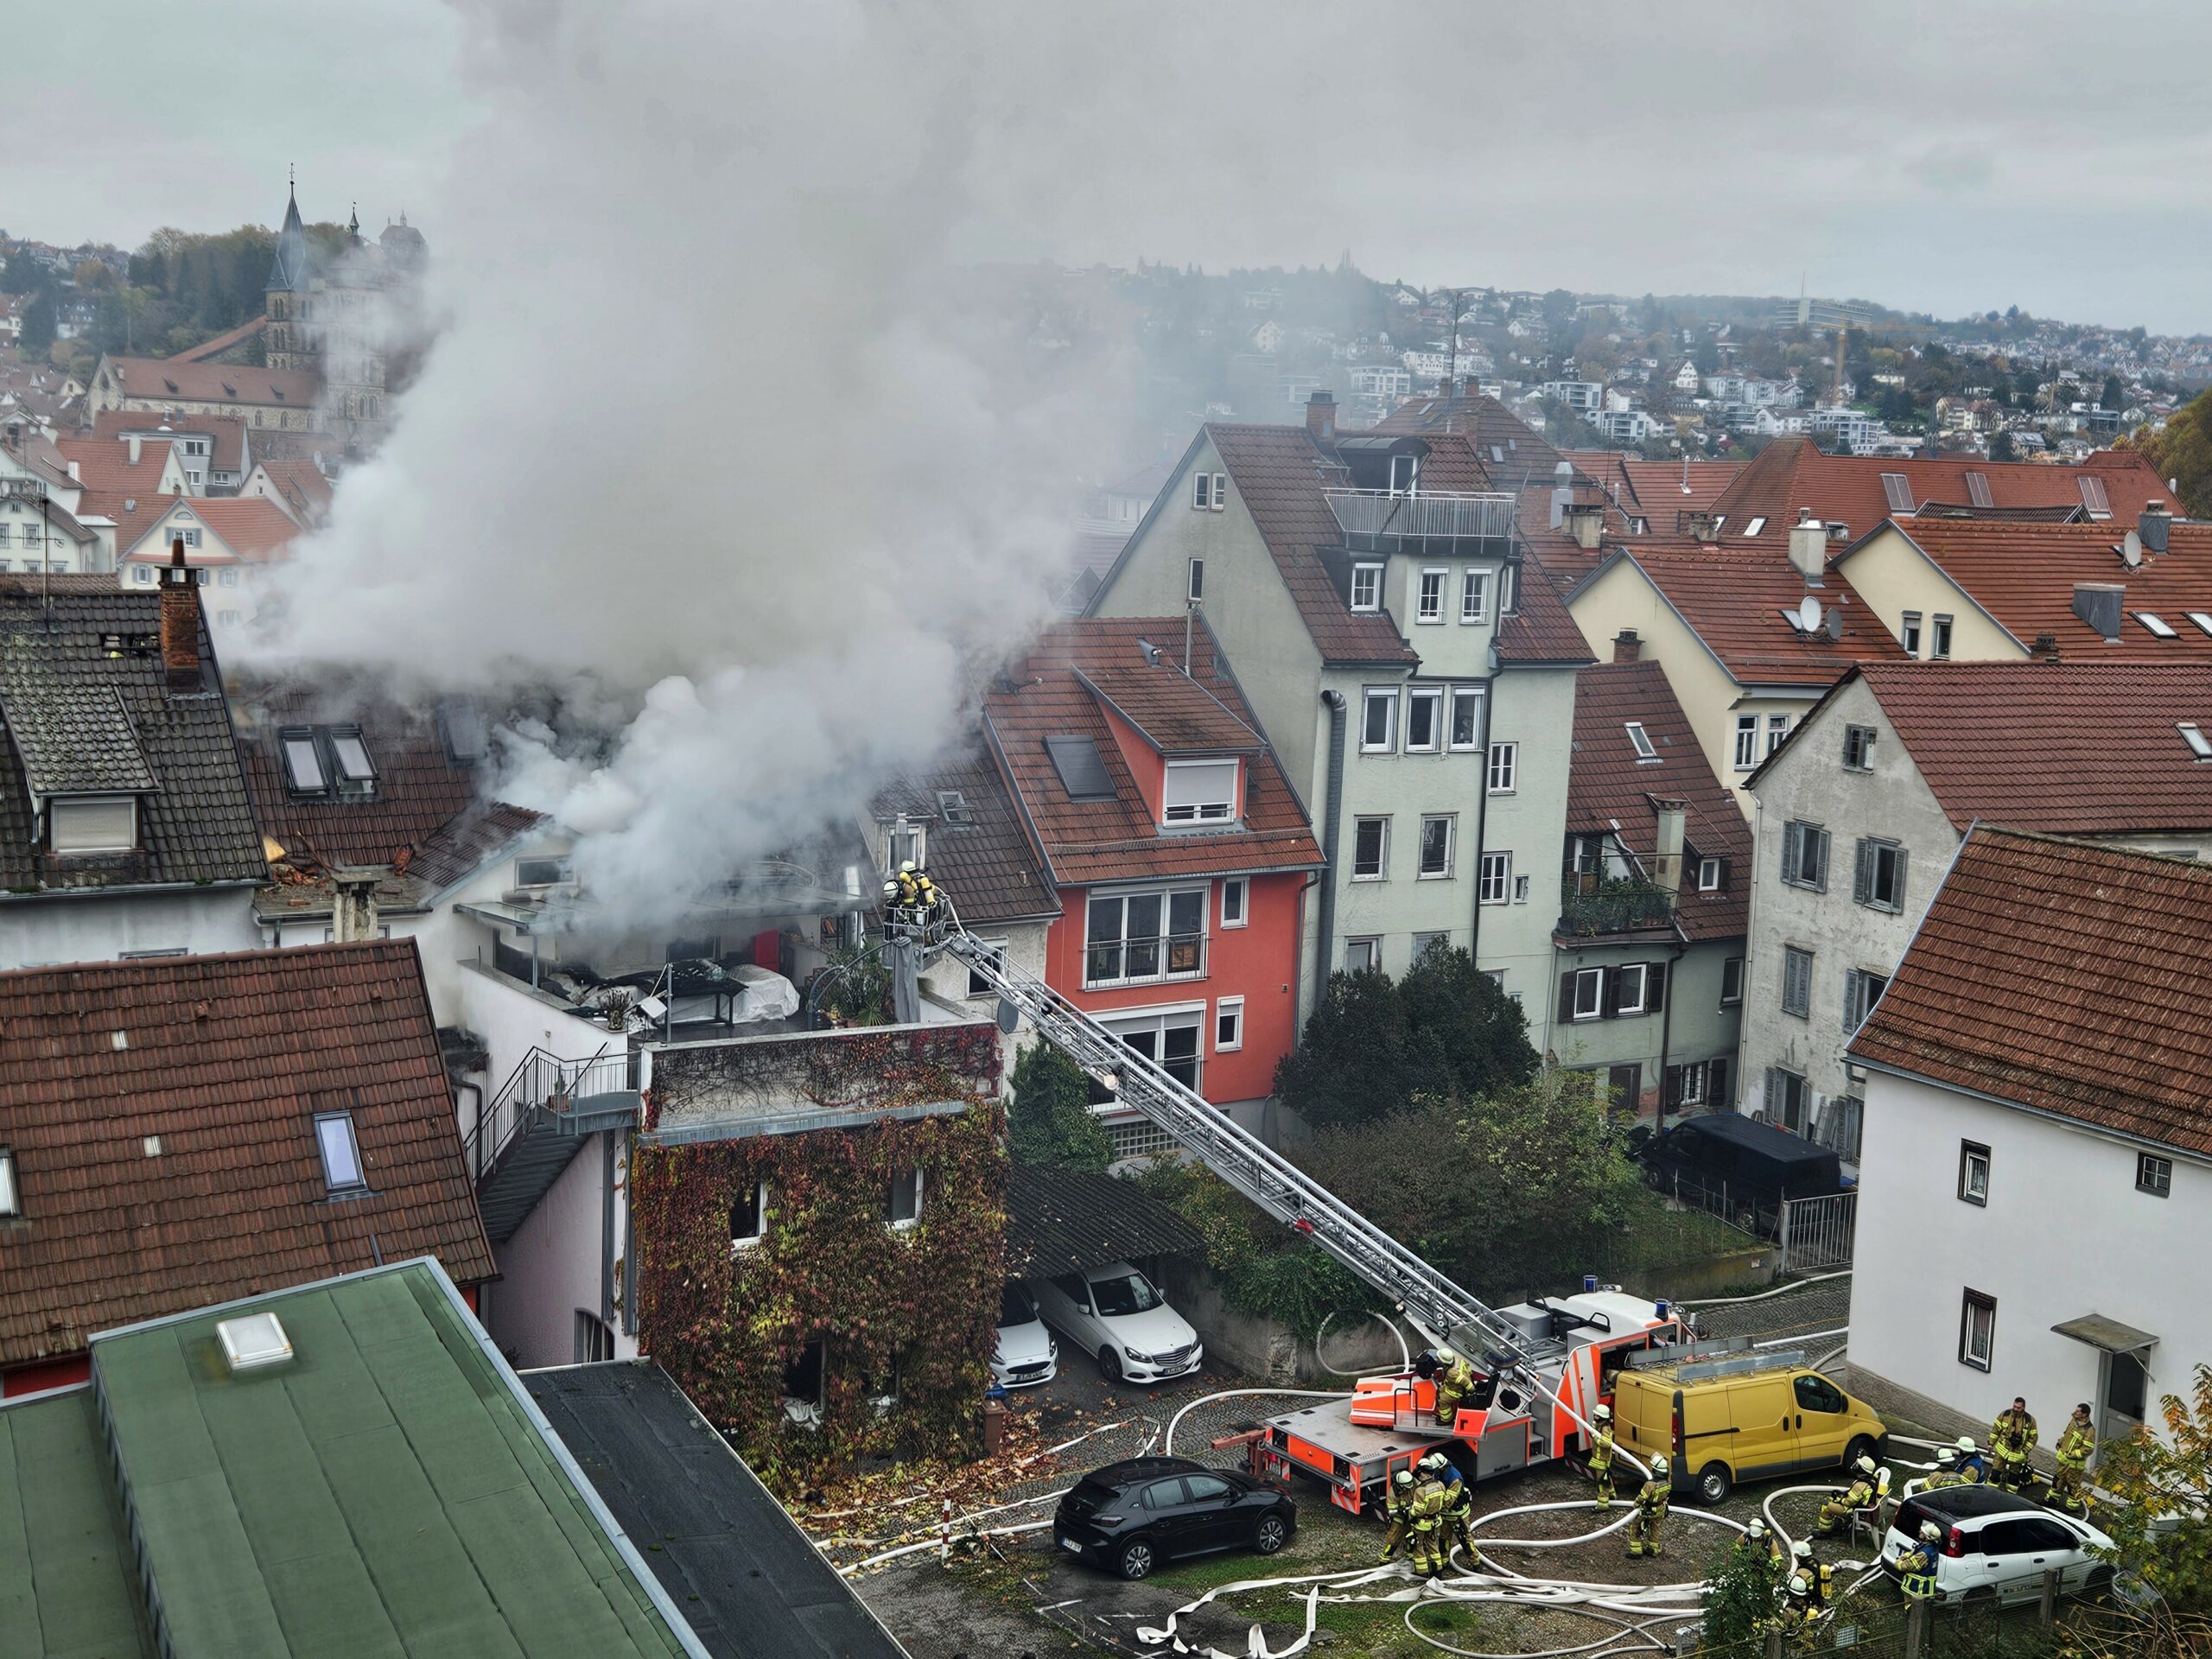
{"type": "Point", "coordinates": [1083, 774]}
{"type": "Point", "coordinates": [1643, 742]}
{"type": "Point", "coordinates": [2203, 620]}
{"type": "Point", "coordinates": [253, 1340]}
{"type": "Point", "coordinates": [2193, 735]}
{"type": "Point", "coordinates": [342, 1154]}
{"type": "Point", "coordinates": [954, 805]}
{"type": "Point", "coordinates": [2156, 624]}
{"type": "Point", "coordinates": [10, 1203]}
{"type": "Point", "coordinates": [1756, 526]}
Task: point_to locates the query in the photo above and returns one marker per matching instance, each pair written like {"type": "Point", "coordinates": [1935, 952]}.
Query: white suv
{"type": "Point", "coordinates": [1996, 1546]}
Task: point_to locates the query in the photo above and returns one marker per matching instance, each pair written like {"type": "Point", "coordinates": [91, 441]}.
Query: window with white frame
{"type": "Point", "coordinates": [1747, 742]}
{"type": "Point", "coordinates": [1405, 475]}
{"type": "Point", "coordinates": [1424, 718]}
{"type": "Point", "coordinates": [341, 1154]}
{"type": "Point", "coordinates": [1200, 791]}
{"type": "Point", "coordinates": [1229, 1025]}
{"type": "Point", "coordinates": [143, 575]}
{"type": "Point", "coordinates": [1201, 491]}
{"type": "Point", "coordinates": [1465, 731]}
{"type": "Point", "coordinates": [1429, 605]}
{"type": "Point", "coordinates": [1977, 1330]}
{"type": "Point", "coordinates": [1632, 987]}
{"type": "Point", "coordinates": [92, 823]}
{"type": "Point", "coordinates": [1170, 1038]}
{"type": "Point", "coordinates": [1504, 767]}
{"type": "Point", "coordinates": [1494, 884]}
{"type": "Point", "coordinates": [1131, 938]}
{"type": "Point", "coordinates": [1974, 1174]}
{"type": "Point", "coordinates": [903, 1203]}
{"type": "Point", "coordinates": [1797, 982]}
{"type": "Point", "coordinates": [1732, 981]}
{"type": "Point", "coordinates": [1235, 896]}
{"type": "Point", "coordinates": [1424, 941]}
{"type": "Point", "coordinates": [1586, 996]}
{"type": "Point", "coordinates": [979, 985]}
{"type": "Point", "coordinates": [10, 1202]}
{"type": "Point", "coordinates": [1939, 638]}
{"type": "Point", "coordinates": [2154, 1175]}
{"type": "Point", "coordinates": [1909, 633]}
{"type": "Point", "coordinates": [1712, 875]}
{"type": "Point", "coordinates": [1363, 955]}
{"type": "Point", "coordinates": [1367, 587]}
{"type": "Point", "coordinates": [1859, 749]}
{"type": "Point", "coordinates": [1378, 719]}
{"type": "Point", "coordinates": [1370, 849]}
{"type": "Point", "coordinates": [1220, 491]}
{"type": "Point", "coordinates": [748, 1216]}
{"type": "Point", "coordinates": [1509, 590]}
{"type": "Point", "coordinates": [227, 576]}
{"type": "Point", "coordinates": [1474, 596]}
{"type": "Point", "coordinates": [1437, 833]}
{"type": "Point", "coordinates": [1777, 727]}
{"type": "Point", "coordinates": [1640, 741]}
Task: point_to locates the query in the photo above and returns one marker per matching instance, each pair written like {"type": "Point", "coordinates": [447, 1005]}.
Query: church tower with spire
{"type": "Point", "coordinates": [288, 301]}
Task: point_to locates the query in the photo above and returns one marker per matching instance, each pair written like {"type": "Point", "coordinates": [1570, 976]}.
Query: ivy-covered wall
{"type": "Point", "coordinates": [919, 1302]}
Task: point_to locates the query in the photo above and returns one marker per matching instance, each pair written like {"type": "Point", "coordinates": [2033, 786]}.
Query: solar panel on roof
{"type": "Point", "coordinates": [1083, 774]}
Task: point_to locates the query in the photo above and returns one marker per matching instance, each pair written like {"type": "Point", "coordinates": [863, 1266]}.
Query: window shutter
{"type": "Point", "coordinates": [1788, 852]}
{"type": "Point", "coordinates": [1611, 999]}
{"type": "Point", "coordinates": [1773, 1092]}
{"type": "Point", "coordinates": [1823, 866]}
{"type": "Point", "coordinates": [1566, 996]}
{"type": "Point", "coordinates": [1850, 1001]}
{"type": "Point", "coordinates": [1728, 873]}
{"type": "Point", "coordinates": [1716, 1082]}
{"type": "Point", "coordinates": [1862, 878]}
{"type": "Point", "coordinates": [1672, 1092]}
{"type": "Point", "coordinates": [1896, 891]}
{"type": "Point", "coordinates": [1655, 987]}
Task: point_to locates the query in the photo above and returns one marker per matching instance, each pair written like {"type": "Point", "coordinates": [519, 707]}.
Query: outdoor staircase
{"type": "Point", "coordinates": [537, 1123]}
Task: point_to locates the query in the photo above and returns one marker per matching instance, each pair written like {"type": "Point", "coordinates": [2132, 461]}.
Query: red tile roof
{"type": "Point", "coordinates": [161, 1116]}
{"type": "Point", "coordinates": [1792, 473]}
{"type": "Point", "coordinates": [2066, 978]}
{"type": "Point", "coordinates": [223, 342]}
{"type": "Point", "coordinates": [225, 432]}
{"type": "Point", "coordinates": [2024, 574]}
{"type": "Point", "coordinates": [1734, 598]}
{"type": "Point", "coordinates": [253, 527]}
{"type": "Point", "coordinates": [1514, 452]}
{"type": "Point", "coordinates": [105, 465]}
{"type": "Point", "coordinates": [1116, 839]}
{"type": "Point", "coordinates": [132, 515]}
{"type": "Point", "coordinates": [2066, 748]}
{"type": "Point", "coordinates": [158, 381]}
{"type": "Point", "coordinates": [1280, 473]}
{"type": "Point", "coordinates": [1609, 789]}
{"type": "Point", "coordinates": [1541, 630]}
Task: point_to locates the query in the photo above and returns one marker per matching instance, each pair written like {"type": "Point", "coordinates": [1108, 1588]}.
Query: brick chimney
{"type": "Point", "coordinates": [1702, 526]}
{"type": "Point", "coordinates": [353, 906]}
{"type": "Point", "coordinates": [1321, 416]}
{"type": "Point", "coordinates": [2046, 648]}
{"type": "Point", "coordinates": [1627, 648]}
{"type": "Point", "coordinates": [179, 622]}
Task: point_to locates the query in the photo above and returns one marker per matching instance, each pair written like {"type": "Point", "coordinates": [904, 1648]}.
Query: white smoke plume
{"type": "Point", "coordinates": [722, 440]}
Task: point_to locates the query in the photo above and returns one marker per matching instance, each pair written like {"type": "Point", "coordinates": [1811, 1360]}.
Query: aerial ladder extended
{"type": "Point", "coordinates": [1554, 1351]}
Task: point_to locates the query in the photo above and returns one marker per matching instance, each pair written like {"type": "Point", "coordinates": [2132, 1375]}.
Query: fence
{"type": "Point", "coordinates": [1816, 1234]}
{"type": "Point", "coordinates": [2046, 1621]}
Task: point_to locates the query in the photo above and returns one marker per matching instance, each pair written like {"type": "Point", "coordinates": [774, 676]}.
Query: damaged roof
{"type": "Point", "coordinates": [978, 850]}
{"type": "Point", "coordinates": [162, 1114]}
{"type": "Point", "coordinates": [89, 709]}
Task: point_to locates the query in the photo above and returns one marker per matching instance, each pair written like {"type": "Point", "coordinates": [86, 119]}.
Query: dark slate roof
{"type": "Point", "coordinates": [1066, 1220]}
{"type": "Point", "coordinates": [1609, 784]}
{"type": "Point", "coordinates": [1514, 453]}
{"type": "Point", "coordinates": [162, 1114]}
{"type": "Point", "coordinates": [988, 865]}
{"type": "Point", "coordinates": [747, 1580]}
{"type": "Point", "coordinates": [288, 269]}
{"type": "Point", "coordinates": [2066, 978]}
{"type": "Point", "coordinates": [82, 714]}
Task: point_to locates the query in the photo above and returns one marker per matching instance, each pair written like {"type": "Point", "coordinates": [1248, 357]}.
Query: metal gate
{"type": "Point", "coordinates": [1817, 1233]}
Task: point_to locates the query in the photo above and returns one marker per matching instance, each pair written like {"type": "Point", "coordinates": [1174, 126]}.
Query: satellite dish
{"type": "Point", "coordinates": [2131, 549]}
{"type": "Point", "coordinates": [1808, 613]}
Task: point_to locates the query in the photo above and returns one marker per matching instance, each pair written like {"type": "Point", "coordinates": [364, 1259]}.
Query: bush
{"type": "Point", "coordinates": [1263, 1267]}
{"type": "Point", "coordinates": [1050, 1122]}
{"type": "Point", "coordinates": [1737, 1598]}
{"type": "Point", "coordinates": [1482, 1031]}
{"type": "Point", "coordinates": [2156, 1480]}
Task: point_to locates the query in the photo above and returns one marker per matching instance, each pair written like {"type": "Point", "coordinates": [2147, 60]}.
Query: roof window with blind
{"type": "Point", "coordinates": [327, 763]}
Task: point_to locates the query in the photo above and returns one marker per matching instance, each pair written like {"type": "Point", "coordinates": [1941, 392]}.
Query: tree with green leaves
{"type": "Point", "coordinates": [36, 339]}
{"type": "Point", "coordinates": [1360, 1056]}
{"type": "Point", "coordinates": [1737, 1600]}
{"type": "Point", "coordinates": [1484, 1034]}
{"type": "Point", "coordinates": [2183, 453]}
{"type": "Point", "coordinates": [2162, 1525]}
{"type": "Point", "coordinates": [1050, 1122]}
{"type": "Point", "coordinates": [2001, 447]}
{"type": "Point", "coordinates": [2114, 394]}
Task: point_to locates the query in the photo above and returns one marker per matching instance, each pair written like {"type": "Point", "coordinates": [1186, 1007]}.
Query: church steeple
{"type": "Point", "coordinates": [289, 270]}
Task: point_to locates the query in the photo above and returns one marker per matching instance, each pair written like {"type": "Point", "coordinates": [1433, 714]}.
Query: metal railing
{"type": "Point", "coordinates": [544, 1086]}
{"type": "Point", "coordinates": [1438, 515]}
{"type": "Point", "coordinates": [1817, 1233]}
{"type": "Point", "coordinates": [1142, 961]}
{"type": "Point", "coordinates": [1615, 907]}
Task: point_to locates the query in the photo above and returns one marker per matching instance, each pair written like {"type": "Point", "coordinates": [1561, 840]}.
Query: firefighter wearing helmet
{"type": "Point", "coordinates": [1651, 1510]}
{"type": "Point", "coordinates": [1601, 1453]}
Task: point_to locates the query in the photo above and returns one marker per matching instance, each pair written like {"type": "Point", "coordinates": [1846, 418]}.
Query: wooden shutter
{"type": "Point", "coordinates": [1609, 999]}
{"type": "Point", "coordinates": [1773, 1093]}
{"type": "Point", "coordinates": [1671, 1090]}
{"type": "Point", "coordinates": [1788, 852]}
{"type": "Point", "coordinates": [1716, 1082]}
{"type": "Point", "coordinates": [1862, 878]}
{"type": "Point", "coordinates": [1822, 884]}
{"type": "Point", "coordinates": [1655, 987]}
{"type": "Point", "coordinates": [1566, 996]}
{"type": "Point", "coordinates": [1896, 891]}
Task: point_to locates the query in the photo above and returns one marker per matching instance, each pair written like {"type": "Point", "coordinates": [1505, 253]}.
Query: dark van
{"type": "Point", "coordinates": [1728, 1163]}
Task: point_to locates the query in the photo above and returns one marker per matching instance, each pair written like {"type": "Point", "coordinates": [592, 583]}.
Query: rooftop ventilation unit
{"type": "Point", "coordinates": [252, 1342]}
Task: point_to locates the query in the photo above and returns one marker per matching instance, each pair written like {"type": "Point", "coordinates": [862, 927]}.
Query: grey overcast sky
{"type": "Point", "coordinates": [1947, 157]}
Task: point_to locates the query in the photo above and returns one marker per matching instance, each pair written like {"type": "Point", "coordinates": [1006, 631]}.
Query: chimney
{"type": "Point", "coordinates": [1562, 491]}
{"type": "Point", "coordinates": [1585, 521]}
{"type": "Point", "coordinates": [2151, 526]}
{"type": "Point", "coordinates": [2097, 603]}
{"type": "Point", "coordinates": [1666, 862]}
{"type": "Point", "coordinates": [1627, 648]}
{"type": "Point", "coordinates": [136, 443]}
{"type": "Point", "coordinates": [1321, 416]}
{"type": "Point", "coordinates": [1702, 526]}
{"type": "Point", "coordinates": [353, 908]}
{"type": "Point", "coordinates": [2046, 648]}
{"type": "Point", "coordinates": [74, 477]}
{"type": "Point", "coordinates": [179, 622]}
{"type": "Point", "coordinates": [1809, 547]}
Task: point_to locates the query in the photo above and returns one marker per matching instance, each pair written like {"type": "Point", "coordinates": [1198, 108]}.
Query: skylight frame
{"type": "Point", "coordinates": [2156, 625]}
{"type": "Point", "coordinates": [952, 807]}
{"type": "Point", "coordinates": [1757, 522]}
{"type": "Point", "coordinates": [2202, 618]}
{"type": "Point", "coordinates": [295, 745]}
{"type": "Point", "coordinates": [339, 1149]}
{"type": "Point", "coordinates": [1641, 740]}
{"type": "Point", "coordinates": [353, 767]}
{"type": "Point", "coordinates": [2200, 743]}
{"type": "Point", "coordinates": [11, 1195]}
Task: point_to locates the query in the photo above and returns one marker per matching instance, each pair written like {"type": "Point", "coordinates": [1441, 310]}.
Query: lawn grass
{"type": "Point", "coordinates": [1653, 1235]}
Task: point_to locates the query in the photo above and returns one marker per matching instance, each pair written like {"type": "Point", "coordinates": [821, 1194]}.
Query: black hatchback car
{"type": "Point", "coordinates": [1132, 1516]}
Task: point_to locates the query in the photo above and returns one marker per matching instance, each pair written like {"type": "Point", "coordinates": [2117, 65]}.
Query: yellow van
{"type": "Point", "coordinates": [1739, 1417]}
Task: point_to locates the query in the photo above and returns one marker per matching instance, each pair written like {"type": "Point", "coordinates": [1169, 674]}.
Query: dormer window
{"type": "Point", "coordinates": [1405, 475]}
{"type": "Point", "coordinates": [1200, 791]}
{"type": "Point", "coordinates": [1367, 587]}
{"type": "Point", "coordinates": [910, 843]}
{"type": "Point", "coordinates": [100, 823]}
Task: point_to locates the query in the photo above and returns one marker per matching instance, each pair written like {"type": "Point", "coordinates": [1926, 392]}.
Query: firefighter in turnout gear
{"type": "Point", "coordinates": [1820, 1573]}
{"type": "Point", "coordinates": [1459, 1507]}
{"type": "Point", "coordinates": [1799, 1613]}
{"type": "Point", "coordinates": [1455, 1380]}
{"type": "Point", "coordinates": [2070, 1487]}
{"type": "Point", "coordinates": [1601, 1453]}
{"type": "Point", "coordinates": [1946, 1471]}
{"type": "Point", "coordinates": [2011, 1437]}
{"type": "Point", "coordinates": [1974, 1468]}
{"type": "Point", "coordinates": [1756, 1544]}
{"type": "Point", "coordinates": [1398, 1505]}
{"type": "Point", "coordinates": [1426, 1524]}
{"type": "Point", "coordinates": [1836, 1514]}
{"type": "Point", "coordinates": [1651, 1510]}
{"type": "Point", "coordinates": [1917, 1566]}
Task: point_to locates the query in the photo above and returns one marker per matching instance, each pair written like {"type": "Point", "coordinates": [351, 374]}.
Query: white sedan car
{"type": "Point", "coordinates": [1114, 1314]}
{"type": "Point", "coordinates": [1025, 1354]}
{"type": "Point", "coordinates": [1995, 1546]}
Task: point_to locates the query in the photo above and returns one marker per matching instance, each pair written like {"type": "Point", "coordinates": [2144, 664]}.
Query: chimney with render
{"type": "Point", "coordinates": [354, 906]}
{"type": "Point", "coordinates": [2154, 525]}
{"type": "Point", "coordinates": [2046, 648]}
{"type": "Point", "coordinates": [1809, 547]}
{"type": "Point", "coordinates": [137, 444]}
{"type": "Point", "coordinates": [179, 622]}
{"type": "Point", "coordinates": [2098, 603]}
{"type": "Point", "coordinates": [1667, 860]}
{"type": "Point", "coordinates": [1627, 648]}
{"type": "Point", "coordinates": [1321, 416]}
{"type": "Point", "coordinates": [1702, 526]}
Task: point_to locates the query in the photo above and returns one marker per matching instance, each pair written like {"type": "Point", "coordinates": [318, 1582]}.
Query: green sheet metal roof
{"type": "Point", "coordinates": [67, 1588]}
{"type": "Point", "coordinates": [387, 1491]}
